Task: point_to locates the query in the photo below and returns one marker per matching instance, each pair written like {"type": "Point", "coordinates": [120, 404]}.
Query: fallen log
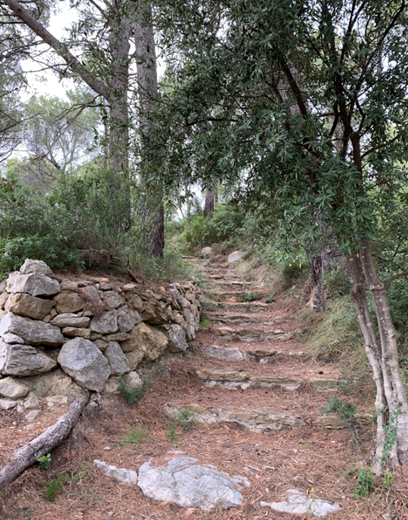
{"type": "Point", "coordinates": [53, 436]}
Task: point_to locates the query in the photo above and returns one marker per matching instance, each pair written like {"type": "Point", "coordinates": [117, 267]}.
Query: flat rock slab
{"type": "Point", "coordinates": [187, 484]}
{"type": "Point", "coordinates": [235, 378]}
{"type": "Point", "coordinates": [258, 335]}
{"type": "Point", "coordinates": [221, 374]}
{"type": "Point", "coordinates": [240, 320]}
{"type": "Point", "coordinates": [32, 331]}
{"type": "Point", "coordinates": [12, 388]}
{"type": "Point", "coordinates": [127, 476]}
{"type": "Point", "coordinates": [229, 354]}
{"type": "Point", "coordinates": [243, 307]}
{"type": "Point", "coordinates": [301, 504]}
{"type": "Point", "coordinates": [23, 360]}
{"type": "Point", "coordinates": [258, 420]}
{"type": "Point", "coordinates": [70, 320]}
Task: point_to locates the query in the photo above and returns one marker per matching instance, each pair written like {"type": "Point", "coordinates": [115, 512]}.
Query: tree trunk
{"type": "Point", "coordinates": [209, 203]}
{"type": "Point", "coordinates": [43, 444]}
{"type": "Point", "coordinates": [147, 83]}
{"type": "Point", "coordinates": [391, 402]}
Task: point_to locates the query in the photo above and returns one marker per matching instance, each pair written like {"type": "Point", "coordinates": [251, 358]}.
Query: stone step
{"type": "Point", "coordinates": [254, 335]}
{"type": "Point", "coordinates": [240, 319]}
{"type": "Point", "coordinates": [259, 420]}
{"type": "Point", "coordinates": [241, 306]}
{"type": "Point", "coordinates": [260, 356]}
{"type": "Point", "coordinates": [241, 379]}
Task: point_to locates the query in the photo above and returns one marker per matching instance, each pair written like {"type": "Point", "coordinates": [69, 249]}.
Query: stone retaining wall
{"type": "Point", "coordinates": [62, 334]}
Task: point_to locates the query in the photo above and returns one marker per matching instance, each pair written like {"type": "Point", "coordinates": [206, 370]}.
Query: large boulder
{"type": "Point", "coordinates": [128, 319]}
{"type": "Point", "coordinates": [190, 485]}
{"type": "Point", "coordinates": [107, 323]}
{"type": "Point", "coordinates": [85, 363]}
{"type": "Point", "coordinates": [70, 320]}
{"type": "Point", "coordinates": [177, 339]}
{"type": "Point", "coordinates": [36, 267]}
{"type": "Point", "coordinates": [23, 360]}
{"type": "Point", "coordinates": [32, 331]}
{"type": "Point", "coordinates": [29, 306]}
{"type": "Point", "coordinates": [51, 383]}
{"type": "Point", "coordinates": [146, 339]}
{"type": "Point", "coordinates": [69, 302]}
{"type": "Point", "coordinates": [34, 284]}
{"type": "Point", "coordinates": [12, 388]}
{"type": "Point", "coordinates": [117, 360]}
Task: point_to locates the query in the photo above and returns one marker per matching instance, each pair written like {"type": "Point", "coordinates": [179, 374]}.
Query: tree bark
{"type": "Point", "coordinates": [147, 83]}
{"type": "Point", "coordinates": [44, 443]}
{"type": "Point", "coordinates": [209, 203]}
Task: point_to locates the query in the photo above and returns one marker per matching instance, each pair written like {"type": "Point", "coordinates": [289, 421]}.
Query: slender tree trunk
{"type": "Point", "coordinates": [209, 203]}
{"type": "Point", "coordinates": [147, 83]}
{"type": "Point", "coordinates": [391, 402]}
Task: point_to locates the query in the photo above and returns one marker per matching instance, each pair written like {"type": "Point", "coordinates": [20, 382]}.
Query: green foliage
{"type": "Point", "coordinates": [251, 297]}
{"type": "Point", "coordinates": [344, 410]}
{"type": "Point", "coordinates": [337, 283]}
{"type": "Point", "coordinates": [134, 439]}
{"type": "Point", "coordinates": [44, 461]}
{"type": "Point", "coordinates": [224, 225]}
{"type": "Point", "coordinates": [388, 480]}
{"type": "Point", "coordinates": [182, 424]}
{"type": "Point", "coordinates": [365, 483]}
{"type": "Point", "coordinates": [390, 436]}
{"type": "Point", "coordinates": [56, 485]}
{"type": "Point", "coordinates": [132, 395]}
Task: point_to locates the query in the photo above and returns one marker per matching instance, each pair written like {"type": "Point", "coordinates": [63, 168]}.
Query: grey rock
{"type": "Point", "coordinates": [36, 266]}
{"type": "Point", "coordinates": [133, 380]}
{"type": "Point", "coordinates": [77, 333]}
{"type": "Point", "coordinates": [7, 404]}
{"type": "Point", "coordinates": [189, 485]}
{"type": "Point", "coordinates": [113, 299]}
{"type": "Point", "coordinates": [117, 360]}
{"type": "Point", "coordinates": [23, 360]}
{"type": "Point", "coordinates": [118, 336]}
{"type": "Point", "coordinates": [229, 354]}
{"type": "Point", "coordinates": [127, 476]}
{"type": "Point", "coordinates": [301, 504]}
{"type": "Point", "coordinates": [236, 256]}
{"type": "Point", "coordinates": [13, 389]}
{"type": "Point", "coordinates": [127, 319]}
{"type": "Point", "coordinates": [34, 284]}
{"type": "Point", "coordinates": [31, 402]}
{"type": "Point", "coordinates": [32, 416]}
{"type": "Point", "coordinates": [136, 302]}
{"type": "Point", "coordinates": [107, 323]}
{"type": "Point", "coordinates": [85, 363]}
{"type": "Point", "coordinates": [10, 338]}
{"type": "Point", "coordinates": [32, 331]}
{"type": "Point", "coordinates": [206, 252]}
{"type": "Point", "coordinates": [70, 320]}
{"type": "Point", "coordinates": [93, 294]}
{"type": "Point", "coordinates": [177, 339]}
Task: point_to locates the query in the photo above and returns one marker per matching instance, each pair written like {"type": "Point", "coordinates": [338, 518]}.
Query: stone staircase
{"type": "Point", "coordinates": [253, 356]}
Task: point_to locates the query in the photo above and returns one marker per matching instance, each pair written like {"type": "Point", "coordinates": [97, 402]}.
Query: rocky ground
{"type": "Point", "coordinates": [239, 413]}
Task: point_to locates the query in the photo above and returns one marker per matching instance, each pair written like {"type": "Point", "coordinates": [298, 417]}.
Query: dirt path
{"type": "Point", "coordinates": [254, 394]}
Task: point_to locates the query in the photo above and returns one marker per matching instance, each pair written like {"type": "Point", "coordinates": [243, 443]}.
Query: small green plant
{"type": "Point", "coordinates": [204, 320]}
{"type": "Point", "coordinates": [182, 424]}
{"type": "Point", "coordinates": [345, 411]}
{"type": "Point", "coordinates": [171, 432]}
{"type": "Point", "coordinates": [55, 485]}
{"type": "Point", "coordinates": [269, 299]}
{"type": "Point", "coordinates": [388, 480]}
{"type": "Point", "coordinates": [134, 439]}
{"type": "Point", "coordinates": [44, 461]}
{"type": "Point", "coordinates": [365, 483]}
{"type": "Point", "coordinates": [251, 297]}
{"type": "Point", "coordinates": [132, 395]}
{"type": "Point", "coordinates": [186, 420]}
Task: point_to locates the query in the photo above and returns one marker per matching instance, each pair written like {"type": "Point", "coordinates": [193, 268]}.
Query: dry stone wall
{"type": "Point", "coordinates": [59, 335]}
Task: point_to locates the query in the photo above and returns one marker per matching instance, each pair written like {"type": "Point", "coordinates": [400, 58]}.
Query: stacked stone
{"type": "Point", "coordinates": [94, 330]}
